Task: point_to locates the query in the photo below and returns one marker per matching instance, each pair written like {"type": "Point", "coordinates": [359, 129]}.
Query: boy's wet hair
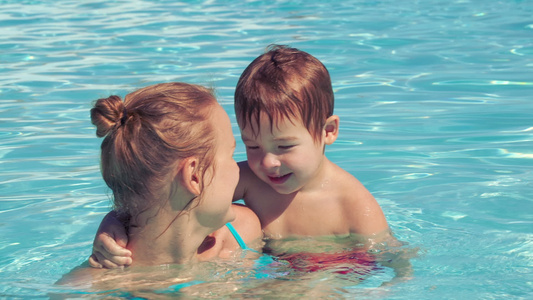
{"type": "Point", "coordinates": [285, 83]}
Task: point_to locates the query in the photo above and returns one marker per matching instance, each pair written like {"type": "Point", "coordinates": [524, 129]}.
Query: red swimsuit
{"type": "Point", "coordinates": [356, 262]}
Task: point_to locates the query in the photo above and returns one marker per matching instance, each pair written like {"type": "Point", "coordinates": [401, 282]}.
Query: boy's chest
{"type": "Point", "coordinates": [305, 216]}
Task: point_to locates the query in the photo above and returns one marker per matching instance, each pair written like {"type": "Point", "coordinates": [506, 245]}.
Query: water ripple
{"type": "Point", "coordinates": [434, 99]}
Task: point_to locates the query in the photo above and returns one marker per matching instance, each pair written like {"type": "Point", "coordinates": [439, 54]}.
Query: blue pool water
{"type": "Point", "coordinates": [436, 105]}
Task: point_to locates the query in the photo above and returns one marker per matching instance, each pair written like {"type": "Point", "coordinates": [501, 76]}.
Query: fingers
{"type": "Point", "coordinates": [121, 238]}
{"type": "Point", "coordinates": [109, 244]}
{"type": "Point", "coordinates": [108, 253]}
{"type": "Point", "coordinates": [109, 247]}
{"type": "Point", "coordinates": [101, 260]}
{"type": "Point", "coordinates": [93, 262]}
{"type": "Point", "coordinates": [95, 259]}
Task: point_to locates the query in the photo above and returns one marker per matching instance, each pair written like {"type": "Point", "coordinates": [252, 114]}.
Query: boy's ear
{"type": "Point", "coordinates": [189, 178]}
{"type": "Point", "coordinates": [331, 130]}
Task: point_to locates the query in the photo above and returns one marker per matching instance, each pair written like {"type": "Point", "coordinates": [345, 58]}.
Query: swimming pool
{"type": "Point", "coordinates": [435, 100]}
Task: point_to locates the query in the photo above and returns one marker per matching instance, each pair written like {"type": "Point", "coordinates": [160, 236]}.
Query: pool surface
{"type": "Point", "coordinates": [436, 106]}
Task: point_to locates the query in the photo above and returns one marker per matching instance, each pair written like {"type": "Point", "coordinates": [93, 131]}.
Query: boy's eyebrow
{"type": "Point", "coordinates": [286, 138]}
{"type": "Point", "coordinates": [276, 139]}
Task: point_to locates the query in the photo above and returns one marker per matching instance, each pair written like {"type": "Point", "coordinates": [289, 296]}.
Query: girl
{"type": "Point", "coordinates": [167, 157]}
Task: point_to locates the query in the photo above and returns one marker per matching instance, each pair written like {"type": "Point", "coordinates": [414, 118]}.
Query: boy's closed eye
{"type": "Point", "coordinates": [286, 147]}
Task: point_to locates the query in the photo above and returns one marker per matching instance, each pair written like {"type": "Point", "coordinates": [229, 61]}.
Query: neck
{"type": "Point", "coordinates": [165, 236]}
{"type": "Point", "coordinates": [321, 178]}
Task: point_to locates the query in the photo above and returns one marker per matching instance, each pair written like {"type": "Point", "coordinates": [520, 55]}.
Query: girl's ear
{"type": "Point", "coordinates": [331, 130]}
{"type": "Point", "coordinates": [190, 179]}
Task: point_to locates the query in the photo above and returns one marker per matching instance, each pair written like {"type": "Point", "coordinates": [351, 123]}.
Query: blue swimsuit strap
{"type": "Point", "coordinates": [236, 236]}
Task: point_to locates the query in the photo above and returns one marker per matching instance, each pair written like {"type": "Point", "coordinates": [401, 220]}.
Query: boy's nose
{"type": "Point", "coordinates": [270, 161]}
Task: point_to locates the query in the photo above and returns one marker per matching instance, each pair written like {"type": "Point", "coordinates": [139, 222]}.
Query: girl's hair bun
{"type": "Point", "coordinates": [107, 114]}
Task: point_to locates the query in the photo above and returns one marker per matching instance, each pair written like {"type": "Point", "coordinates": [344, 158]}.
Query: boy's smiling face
{"type": "Point", "coordinates": [284, 154]}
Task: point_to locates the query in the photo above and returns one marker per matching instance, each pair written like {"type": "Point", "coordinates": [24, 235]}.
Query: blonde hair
{"type": "Point", "coordinates": [146, 134]}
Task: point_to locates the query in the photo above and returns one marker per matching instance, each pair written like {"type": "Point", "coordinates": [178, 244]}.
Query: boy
{"type": "Point", "coordinates": [284, 109]}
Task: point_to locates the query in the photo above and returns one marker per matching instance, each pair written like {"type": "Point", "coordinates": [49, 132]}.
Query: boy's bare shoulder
{"type": "Point", "coordinates": [362, 211]}
{"type": "Point", "coordinates": [246, 174]}
{"type": "Point", "coordinates": [243, 166]}
{"type": "Point", "coordinates": [354, 192]}
{"type": "Point", "coordinates": [250, 185]}
{"type": "Point", "coordinates": [246, 180]}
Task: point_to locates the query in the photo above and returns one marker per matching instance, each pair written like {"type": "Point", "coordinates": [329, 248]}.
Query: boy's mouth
{"type": "Point", "coordinates": [279, 179]}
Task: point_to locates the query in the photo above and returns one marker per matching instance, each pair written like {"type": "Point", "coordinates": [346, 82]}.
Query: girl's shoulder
{"type": "Point", "coordinates": [247, 224]}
